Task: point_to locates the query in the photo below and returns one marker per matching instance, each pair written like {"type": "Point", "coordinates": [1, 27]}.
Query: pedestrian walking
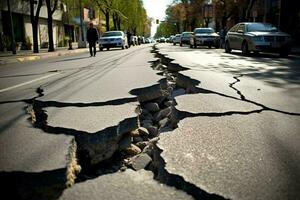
{"type": "Point", "coordinates": [92, 38]}
{"type": "Point", "coordinates": [223, 33]}
{"type": "Point", "coordinates": [129, 37]}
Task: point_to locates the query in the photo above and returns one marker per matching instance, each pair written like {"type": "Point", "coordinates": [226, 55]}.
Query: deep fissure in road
{"type": "Point", "coordinates": [132, 143]}
{"type": "Point", "coordinates": [177, 84]}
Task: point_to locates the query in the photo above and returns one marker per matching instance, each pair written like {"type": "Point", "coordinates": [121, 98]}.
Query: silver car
{"type": "Point", "coordinates": [185, 38]}
{"type": "Point", "coordinates": [176, 39]}
{"type": "Point", "coordinates": [257, 37]}
{"type": "Point", "coordinates": [113, 39]}
{"type": "Point", "coordinates": [204, 37]}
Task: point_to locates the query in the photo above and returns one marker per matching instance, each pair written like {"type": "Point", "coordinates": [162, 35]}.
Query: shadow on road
{"type": "Point", "coordinates": [71, 59]}
{"type": "Point", "coordinates": [270, 68]}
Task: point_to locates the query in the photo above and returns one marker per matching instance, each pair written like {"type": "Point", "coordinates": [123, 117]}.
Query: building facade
{"type": "Point", "coordinates": [66, 23]}
{"type": "Point", "coordinates": [22, 24]}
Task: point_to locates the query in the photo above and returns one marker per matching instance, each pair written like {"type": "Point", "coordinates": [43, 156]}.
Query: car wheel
{"type": "Point", "coordinates": [174, 44]}
{"type": "Point", "coordinates": [245, 50]}
{"type": "Point", "coordinates": [209, 46]}
{"type": "Point", "coordinates": [217, 46]}
{"type": "Point", "coordinates": [227, 47]}
{"type": "Point", "coordinates": [107, 49]}
{"type": "Point", "coordinates": [256, 53]}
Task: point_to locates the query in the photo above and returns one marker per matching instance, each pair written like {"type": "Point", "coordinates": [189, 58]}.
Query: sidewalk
{"type": "Point", "coordinates": [28, 55]}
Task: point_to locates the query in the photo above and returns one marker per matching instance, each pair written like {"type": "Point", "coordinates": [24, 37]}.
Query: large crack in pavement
{"type": "Point", "coordinates": [132, 142]}
{"type": "Point", "coordinates": [179, 81]}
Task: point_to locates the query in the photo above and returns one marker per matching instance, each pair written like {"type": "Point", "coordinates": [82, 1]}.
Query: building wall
{"type": "Point", "coordinates": [22, 7]}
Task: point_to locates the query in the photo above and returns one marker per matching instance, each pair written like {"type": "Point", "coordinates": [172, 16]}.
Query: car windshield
{"type": "Point", "coordinates": [111, 34]}
{"type": "Point", "coordinates": [204, 30]}
{"type": "Point", "coordinates": [261, 27]}
{"type": "Point", "coordinates": [186, 34]}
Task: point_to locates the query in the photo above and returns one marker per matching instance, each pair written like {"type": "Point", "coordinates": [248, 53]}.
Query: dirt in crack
{"type": "Point", "coordinates": [173, 85]}
{"type": "Point", "coordinates": [129, 144]}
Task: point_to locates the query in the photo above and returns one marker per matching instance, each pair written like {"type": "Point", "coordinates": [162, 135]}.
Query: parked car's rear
{"type": "Point", "coordinates": [112, 39]}
{"type": "Point", "coordinates": [257, 37]}
{"type": "Point", "coordinates": [185, 38]}
{"type": "Point", "coordinates": [204, 37]}
{"type": "Point", "coordinates": [176, 39]}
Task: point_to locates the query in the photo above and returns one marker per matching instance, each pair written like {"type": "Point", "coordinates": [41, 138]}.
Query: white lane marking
{"type": "Point", "coordinates": [26, 83]}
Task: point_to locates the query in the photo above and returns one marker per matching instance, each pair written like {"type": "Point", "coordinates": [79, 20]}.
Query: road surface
{"type": "Point", "coordinates": [229, 125]}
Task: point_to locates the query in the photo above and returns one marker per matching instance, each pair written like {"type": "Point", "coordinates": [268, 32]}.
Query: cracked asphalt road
{"type": "Point", "coordinates": [239, 135]}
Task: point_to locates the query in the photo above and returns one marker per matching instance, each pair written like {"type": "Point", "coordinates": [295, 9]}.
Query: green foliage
{"type": "Point", "coordinates": [126, 15]}
{"type": "Point", "coordinates": [165, 30]}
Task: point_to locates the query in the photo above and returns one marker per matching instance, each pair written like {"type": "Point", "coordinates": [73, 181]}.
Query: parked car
{"type": "Point", "coordinates": [185, 38]}
{"type": "Point", "coordinates": [204, 37]}
{"type": "Point", "coordinates": [112, 39]}
{"type": "Point", "coordinates": [257, 37]}
{"type": "Point", "coordinates": [170, 39]}
{"type": "Point", "coordinates": [176, 39]}
{"type": "Point", "coordinates": [162, 40]}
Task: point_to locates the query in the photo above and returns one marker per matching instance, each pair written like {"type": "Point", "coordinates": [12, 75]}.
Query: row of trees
{"type": "Point", "coordinates": [127, 15]}
{"type": "Point", "coordinates": [186, 15]}
{"type": "Point", "coordinates": [34, 17]}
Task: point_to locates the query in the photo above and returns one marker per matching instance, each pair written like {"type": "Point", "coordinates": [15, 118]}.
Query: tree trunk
{"type": "Point", "coordinates": [107, 20]}
{"type": "Point", "coordinates": [34, 17]}
{"type": "Point", "coordinates": [115, 21]}
{"type": "Point", "coordinates": [249, 8]}
{"type": "Point", "coordinates": [50, 24]}
{"type": "Point", "coordinates": [50, 34]}
{"type": "Point", "coordinates": [119, 23]}
{"type": "Point", "coordinates": [35, 37]}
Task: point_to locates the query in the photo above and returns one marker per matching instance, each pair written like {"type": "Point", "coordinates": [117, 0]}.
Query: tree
{"type": "Point", "coordinates": [51, 7]}
{"type": "Point", "coordinates": [127, 15]}
{"type": "Point", "coordinates": [34, 17]}
{"type": "Point", "coordinates": [185, 14]}
{"type": "Point", "coordinates": [164, 30]}
{"type": "Point", "coordinates": [105, 7]}
{"type": "Point", "coordinates": [237, 10]}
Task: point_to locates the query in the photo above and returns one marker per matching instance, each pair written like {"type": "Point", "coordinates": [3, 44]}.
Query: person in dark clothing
{"type": "Point", "coordinates": [92, 38]}
{"type": "Point", "coordinates": [129, 38]}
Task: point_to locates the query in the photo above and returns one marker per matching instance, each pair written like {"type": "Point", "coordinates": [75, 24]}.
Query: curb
{"type": "Point", "coordinates": [28, 58]}
{"type": "Point", "coordinates": [41, 56]}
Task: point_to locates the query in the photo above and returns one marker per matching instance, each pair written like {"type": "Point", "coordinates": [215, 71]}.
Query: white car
{"type": "Point", "coordinates": [204, 37]}
{"type": "Point", "coordinates": [112, 39]}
